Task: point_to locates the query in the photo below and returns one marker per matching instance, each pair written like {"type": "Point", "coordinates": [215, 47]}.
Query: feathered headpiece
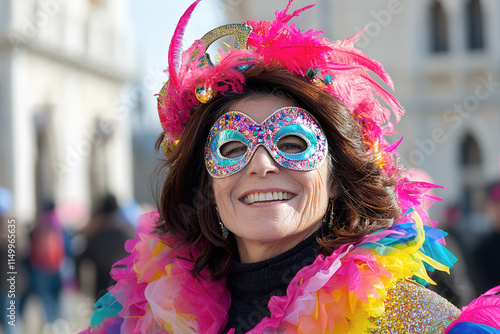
{"type": "Point", "coordinates": [335, 67]}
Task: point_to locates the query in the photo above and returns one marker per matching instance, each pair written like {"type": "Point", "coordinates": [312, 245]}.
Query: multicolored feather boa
{"type": "Point", "coordinates": [341, 293]}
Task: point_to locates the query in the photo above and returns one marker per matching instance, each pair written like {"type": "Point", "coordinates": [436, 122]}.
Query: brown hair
{"type": "Point", "coordinates": [366, 200]}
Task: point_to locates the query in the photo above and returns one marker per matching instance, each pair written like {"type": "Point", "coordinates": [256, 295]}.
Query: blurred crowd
{"type": "Point", "coordinates": [53, 261]}
{"type": "Point", "coordinates": [474, 239]}
{"type": "Point", "coordinates": [61, 272]}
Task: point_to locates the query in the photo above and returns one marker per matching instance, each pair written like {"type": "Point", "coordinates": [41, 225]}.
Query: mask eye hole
{"type": "Point", "coordinates": [233, 149]}
{"type": "Point", "coordinates": [292, 144]}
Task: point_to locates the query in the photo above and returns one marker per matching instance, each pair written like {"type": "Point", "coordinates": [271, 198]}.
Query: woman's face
{"type": "Point", "coordinates": [245, 199]}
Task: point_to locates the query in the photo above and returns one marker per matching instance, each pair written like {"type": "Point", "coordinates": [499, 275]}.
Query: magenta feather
{"type": "Point", "coordinates": [393, 147]}
{"type": "Point", "coordinates": [345, 50]}
{"type": "Point", "coordinates": [283, 17]}
{"type": "Point", "coordinates": [483, 310]}
{"type": "Point", "coordinates": [386, 96]}
{"type": "Point", "coordinates": [352, 57]}
{"type": "Point", "coordinates": [175, 50]}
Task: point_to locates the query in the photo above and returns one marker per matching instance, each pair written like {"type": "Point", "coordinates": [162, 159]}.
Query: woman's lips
{"type": "Point", "coordinates": [267, 197]}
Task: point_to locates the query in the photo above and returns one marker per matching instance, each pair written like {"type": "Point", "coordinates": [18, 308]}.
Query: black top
{"type": "Point", "coordinates": [252, 284]}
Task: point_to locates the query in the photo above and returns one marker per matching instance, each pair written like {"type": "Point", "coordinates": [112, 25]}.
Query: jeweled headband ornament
{"type": "Point", "coordinates": [291, 135]}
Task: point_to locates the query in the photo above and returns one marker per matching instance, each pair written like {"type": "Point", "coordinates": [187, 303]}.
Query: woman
{"type": "Point", "coordinates": [284, 210]}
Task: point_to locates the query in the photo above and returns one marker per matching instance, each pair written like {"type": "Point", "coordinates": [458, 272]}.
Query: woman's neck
{"type": "Point", "coordinates": [252, 284]}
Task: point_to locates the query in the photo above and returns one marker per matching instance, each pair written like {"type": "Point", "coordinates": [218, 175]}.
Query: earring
{"type": "Point", "coordinates": [225, 231]}
{"type": "Point", "coordinates": [331, 213]}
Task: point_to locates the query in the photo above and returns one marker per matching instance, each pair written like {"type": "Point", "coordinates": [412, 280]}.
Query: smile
{"type": "Point", "coordinates": [267, 197]}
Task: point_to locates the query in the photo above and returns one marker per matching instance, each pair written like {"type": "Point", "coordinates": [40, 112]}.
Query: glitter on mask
{"type": "Point", "coordinates": [236, 126]}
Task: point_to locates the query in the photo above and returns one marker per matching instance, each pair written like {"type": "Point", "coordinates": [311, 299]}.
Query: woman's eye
{"type": "Point", "coordinates": [233, 149]}
{"type": "Point", "coordinates": [292, 144]}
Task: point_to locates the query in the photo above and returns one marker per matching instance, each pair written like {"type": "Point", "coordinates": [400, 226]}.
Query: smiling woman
{"type": "Point", "coordinates": [339, 174]}
{"type": "Point", "coordinates": [284, 209]}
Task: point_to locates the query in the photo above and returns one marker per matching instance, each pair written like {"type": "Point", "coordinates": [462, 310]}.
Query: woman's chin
{"type": "Point", "coordinates": [261, 233]}
{"type": "Point", "coordinates": [269, 232]}
{"type": "Point", "coordinates": [270, 224]}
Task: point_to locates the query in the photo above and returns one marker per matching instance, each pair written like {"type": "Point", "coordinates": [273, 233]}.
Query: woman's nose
{"type": "Point", "coordinates": [261, 163]}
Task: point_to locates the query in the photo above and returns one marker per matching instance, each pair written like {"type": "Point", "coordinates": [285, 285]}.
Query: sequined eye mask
{"type": "Point", "coordinates": [291, 135]}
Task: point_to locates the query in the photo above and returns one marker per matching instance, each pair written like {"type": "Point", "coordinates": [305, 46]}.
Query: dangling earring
{"type": "Point", "coordinates": [331, 213]}
{"type": "Point", "coordinates": [225, 231]}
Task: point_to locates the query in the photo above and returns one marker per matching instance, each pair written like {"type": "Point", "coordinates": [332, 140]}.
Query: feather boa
{"type": "Point", "coordinates": [340, 293]}
{"type": "Point", "coordinates": [482, 315]}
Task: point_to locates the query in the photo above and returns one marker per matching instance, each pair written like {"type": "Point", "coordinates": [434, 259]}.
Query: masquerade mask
{"type": "Point", "coordinates": [291, 135]}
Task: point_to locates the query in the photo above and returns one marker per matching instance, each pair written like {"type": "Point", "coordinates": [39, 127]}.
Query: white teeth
{"type": "Point", "coordinates": [263, 197]}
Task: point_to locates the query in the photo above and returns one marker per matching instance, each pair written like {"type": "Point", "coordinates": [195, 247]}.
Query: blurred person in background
{"type": "Point", "coordinates": [456, 287]}
{"type": "Point", "coordinates": [5, 208]}
{"type": "Point", "coordinates": [48, 251]}
{"type": "Point", "coordinates": [487, 254]}
{"type": "Point", "coordinates": [6, 228]}
{"type": "Point", "coordinates": [103, 244]}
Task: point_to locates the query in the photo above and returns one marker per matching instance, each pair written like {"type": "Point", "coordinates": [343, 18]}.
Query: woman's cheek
{"type": "Point", "coordinates": [222, 192]}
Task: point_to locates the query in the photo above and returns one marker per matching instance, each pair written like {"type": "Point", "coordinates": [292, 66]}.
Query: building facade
{"type": "Point", "coordinates": [64, 133]}
{"type": "Point", "coordinates": [444, 59]}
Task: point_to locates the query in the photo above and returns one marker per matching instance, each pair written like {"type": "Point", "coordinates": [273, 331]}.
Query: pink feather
{"type": "Point", "coordinates": [283, 17]}
{"type": "Point", "coordinates": [386, 96]}
{"type": "Point", "coordinates": [359, 58]}
{"type": "Point", "coordinates": [483, 310]}
{"type": "Point", "coordinates": [175, 49]}
{"type": "Point", "coordinates": [346, 47]}
{"type": "Point", "coordinates": [393, 147]}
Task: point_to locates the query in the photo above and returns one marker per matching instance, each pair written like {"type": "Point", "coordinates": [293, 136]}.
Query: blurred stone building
{"type": "Point", "coordinates": [63, 111]}
{"type": "Point", "coordinates": [444, 59]}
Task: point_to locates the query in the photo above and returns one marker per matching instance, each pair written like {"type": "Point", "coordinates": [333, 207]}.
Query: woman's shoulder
{"type": "Point", "coordinates": [413, 308]}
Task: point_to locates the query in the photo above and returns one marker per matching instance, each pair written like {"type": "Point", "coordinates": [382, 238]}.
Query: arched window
{"type": "Point", "coordinates": [470, 154]}
{"type": "Point", "coordinates": [472, 176]}
{"type": "Point", "coordinates": [474, 15]}
{"type": "Point", "coordinates": [439, 28]}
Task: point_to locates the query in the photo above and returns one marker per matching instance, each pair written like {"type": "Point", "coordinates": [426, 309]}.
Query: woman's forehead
{"type": "Point", "coordinates": [259, 107]}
